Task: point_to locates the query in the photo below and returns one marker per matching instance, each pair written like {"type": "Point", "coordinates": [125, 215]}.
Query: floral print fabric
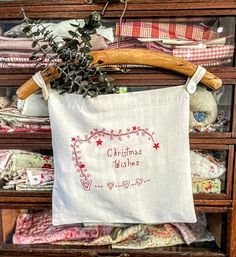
{"type": "Point", "coordinates": [207, 186]}
{"type": "Point", "coordinates": [13, 161]}
{"type": "Point", "coordinates": [146, 236]}
{"type": "Point", "coordinates": [37, 228]}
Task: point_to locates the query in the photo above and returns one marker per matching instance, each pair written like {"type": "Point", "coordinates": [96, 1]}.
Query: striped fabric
{"type": "Point", "coordinates": [17, 65]}
{"type": "Point", "coordinates": [22, 44]}
{"type": "Point", "coordinates": [148, 29]}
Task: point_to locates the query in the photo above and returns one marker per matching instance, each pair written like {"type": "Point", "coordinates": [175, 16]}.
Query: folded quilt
{"type": "Point", "coordinates": [146, 236]}
{"type": "Point", "coordinates": [33, 171]}
{"type": "Point", "coordinates": [11, 161]}
{"type": "Point", "coordinates": [26, 129]}
{"type": "Point", "coordinates": [205, 166]}
{"type": "Point", "coordinates": [207, 186]}
{"type": "Point", "coordinates": [32, 188]}
{"type": "Point", "coordinates": [11, 119]}
{"type": "Point", "coordinates": [31, 179]}
{"type": "Point", "coordinates": [37, 228]}
{"type": "Point", "coordinates": [200, 230]}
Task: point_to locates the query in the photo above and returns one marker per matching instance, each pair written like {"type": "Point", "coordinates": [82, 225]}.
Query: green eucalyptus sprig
{"type": "Point", "coordinates": [72, 57]}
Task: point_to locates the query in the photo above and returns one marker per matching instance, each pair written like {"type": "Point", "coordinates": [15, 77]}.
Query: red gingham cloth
{"type": "Point", "coordinates": [215, 52]}
{"type": "Point", "coordinates": [148, 29]}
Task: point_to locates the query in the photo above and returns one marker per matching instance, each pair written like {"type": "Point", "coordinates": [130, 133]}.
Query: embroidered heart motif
{"type": "Point", "coordinates": [125, 184]}
{"type": "Point", "coordinates": [110, 185]}
{"type": "Point", "coordinates": [86, 184]}
{"type": "Point", "coordinates": [139, 181]}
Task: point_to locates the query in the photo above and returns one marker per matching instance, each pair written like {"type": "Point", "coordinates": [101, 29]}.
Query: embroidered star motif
{"type": "Point", "coordinates": [99, 142]}
{"type": "Point", "coordinates": [156, 146]}
{"type": "Point", "coordinates": [81, 166]}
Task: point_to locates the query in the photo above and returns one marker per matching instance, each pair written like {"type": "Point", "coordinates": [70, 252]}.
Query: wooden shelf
{"type": "Point", "coordinates": [206, 250]}
{"type": "Point", "coordinates": [223, 204]}
{"type": "Point", "coordinates": [40, 199]}
{"type": "Point", "coordinates": [43, 140]}
{"type": "Point", "coordinates": [134, 77]}
{"type": "Point", "coordinates": [63, 9]}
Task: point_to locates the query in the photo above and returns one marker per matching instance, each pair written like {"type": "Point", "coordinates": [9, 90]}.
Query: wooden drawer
{"type": "Point", "coordinates": [217, 223]}
{"type": "Point", "coordinates": [148, 8]}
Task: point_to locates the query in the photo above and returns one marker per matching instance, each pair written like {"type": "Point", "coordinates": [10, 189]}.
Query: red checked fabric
{"type": "Point", "coordinates": [148, 29]}
{"type": "Point", "coordinates": [216, 52]}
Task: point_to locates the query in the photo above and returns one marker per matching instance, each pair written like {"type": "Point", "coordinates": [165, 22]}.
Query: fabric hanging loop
{"type": "Point", "coordinates": [191, 84]}
{"type": "Point", "coordinates": [39, 80]}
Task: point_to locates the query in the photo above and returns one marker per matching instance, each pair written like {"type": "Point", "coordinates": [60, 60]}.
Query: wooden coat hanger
{"type": "Point", "coordinates": [128, 56]}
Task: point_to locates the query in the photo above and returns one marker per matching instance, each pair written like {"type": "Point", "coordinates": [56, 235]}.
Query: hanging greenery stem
{"type": "Point", "coordinates": [71, 57]}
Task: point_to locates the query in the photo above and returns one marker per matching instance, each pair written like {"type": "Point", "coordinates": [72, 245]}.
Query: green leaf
{"type": "Point", "coordinates": [85, 38]}
{"type": "Point", "coordinates": [85, 93]}
{"type": "Point", "coordinates": [74, 25]}
{"type": "Point", "coordinates": [88, 44]}
{"type": "Point", "coordinates": [36, 33]}
{"type": "Point", "coordinates": [33, 58]}
{"type": "Point", "coordinates": [92, 31]}
{"type": "Point", "coordinates": [27, 29]}
{"type": "Point", "coordinates": [72, 33]}
{"type": "Point", "coordinates": [34, 44]}
{"type": "Point", "coordinates": [44, 47]}
{"type": "Point", "coordinates": [66, 39]}
{"type": "Point", "coordinates": [81, 30]}
{"type": "Point", "coordinates": [84, 50]}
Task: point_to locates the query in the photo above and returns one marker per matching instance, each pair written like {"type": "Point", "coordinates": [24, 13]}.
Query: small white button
{"type": "Point", "coordinates": [191, 87]}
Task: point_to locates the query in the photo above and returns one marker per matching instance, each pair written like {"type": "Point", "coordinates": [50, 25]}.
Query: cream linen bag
{"type": "Point", "coordinates": [122, 158]}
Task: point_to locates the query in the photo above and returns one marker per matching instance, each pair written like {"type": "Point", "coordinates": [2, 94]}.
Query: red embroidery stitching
{"type": "Point", "coordinates": [125, 184]}
{"type": "Point", "coordinates": [97, 134]}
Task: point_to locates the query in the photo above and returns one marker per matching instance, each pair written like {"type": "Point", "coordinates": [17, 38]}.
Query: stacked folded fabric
{"type": "Point", "coordinates": [194, 42]}
{"type": "Point", "coordinates": [23, 170]}
{"type": "Point", "coordinates": [12, 120]}
{"type": "Point", "coordinates": [16, 52]}
{"type": "Point", "coordinates": [37, 228]}
{"type": "Point", "coordinates": [207, 173]}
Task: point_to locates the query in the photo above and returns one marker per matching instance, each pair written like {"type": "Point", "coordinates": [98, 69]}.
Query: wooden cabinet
{"type": "Point", "coordinates": [220, 208]}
